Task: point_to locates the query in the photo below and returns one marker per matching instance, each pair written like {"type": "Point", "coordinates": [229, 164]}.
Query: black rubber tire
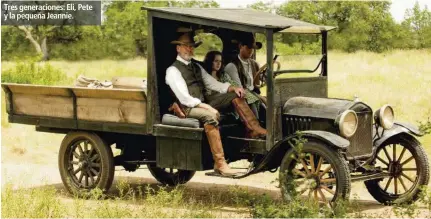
{"type": "Point", "coordinates": [166, 178]}
{"type": "Point", "coordinates": [106, 161]}
{"type": "Point", "coordinates": [330, 154]}
{"type": "Point", "coordinates": [422, 164]}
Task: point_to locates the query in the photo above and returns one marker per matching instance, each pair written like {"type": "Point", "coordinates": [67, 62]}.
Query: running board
{"type": "Point", "coordinates": [366, 177]}
{"type": "Point", "coordinates": [238, 176]}
{"type": "Point", "coordinates": [218, 175]}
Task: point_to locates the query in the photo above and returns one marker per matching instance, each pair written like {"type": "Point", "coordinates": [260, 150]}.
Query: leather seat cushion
{"type": "Point", "coordinates": [173, 120]}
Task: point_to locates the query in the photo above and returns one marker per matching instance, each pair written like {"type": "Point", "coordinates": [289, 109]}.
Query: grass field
{"type": "Point", "coordinates": [102, 70]}
{"type": "Point", "coordinates": [399, 78]}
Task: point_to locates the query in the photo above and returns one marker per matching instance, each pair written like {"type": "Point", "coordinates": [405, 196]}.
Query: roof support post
{"type": "Point", "coordinates": [153, 116]}
{"type": "Point", "coordinates": [325, 53]}
{"type": "Point", "coordinates": [270, 113]}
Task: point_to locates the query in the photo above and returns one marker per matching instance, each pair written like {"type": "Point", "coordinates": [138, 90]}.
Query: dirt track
{"type": "Point", "coordinates": [37, 175]}
{"type": "Point", "coordinates": [35, 167]}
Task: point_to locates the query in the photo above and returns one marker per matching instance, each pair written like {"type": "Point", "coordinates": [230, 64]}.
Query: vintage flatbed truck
{"type": "Point", "coordinates": [340, 141]}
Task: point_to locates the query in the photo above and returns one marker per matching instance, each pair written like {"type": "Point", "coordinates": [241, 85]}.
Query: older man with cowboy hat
{"type": "Point", "coordinates": [188, 81]}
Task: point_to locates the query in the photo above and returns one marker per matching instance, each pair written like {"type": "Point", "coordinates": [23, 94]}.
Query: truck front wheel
{"type": "Point", "coordinates": [85, 163]}
{"type": "Point", "coordinates": [406, 162]}
{"type": "Point", "coordinates": [316, 171]}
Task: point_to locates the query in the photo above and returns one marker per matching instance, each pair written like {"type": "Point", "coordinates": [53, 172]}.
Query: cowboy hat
{"type": "Point", "coordinates": [248, 40]}
{"type": "Point", "coordinates": [185, 38]}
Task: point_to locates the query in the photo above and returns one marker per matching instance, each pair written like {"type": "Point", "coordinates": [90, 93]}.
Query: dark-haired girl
{"type": "Point", "coordinates": [213, 63]}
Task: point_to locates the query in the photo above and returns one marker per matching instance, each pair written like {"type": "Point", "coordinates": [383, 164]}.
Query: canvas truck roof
{"type": "Point", "coordinates": [238, 18]}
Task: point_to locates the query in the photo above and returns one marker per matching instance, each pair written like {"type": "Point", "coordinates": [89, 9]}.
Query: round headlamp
{"type": "Point", "coordinates": [348, 123]}
{"type": "Point", "coordinates": [384, 117]}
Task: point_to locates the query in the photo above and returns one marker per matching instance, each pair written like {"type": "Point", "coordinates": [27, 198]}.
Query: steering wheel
{"type": "Point", "coordinates": [260, 76]}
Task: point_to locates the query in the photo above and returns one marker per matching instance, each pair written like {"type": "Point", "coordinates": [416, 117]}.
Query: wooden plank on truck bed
{"type": "Point", "coordinates": [121, 94]}
{"type": "Point", "coordinates": [43, 105]}
{"type": "Point", "coordinates": [38, 89]}
{"type": "Point", "coordinates": [38, 100]}
{"type": "Point", "coordinates": [111, 105]}
{"type": "Point", "coordinates": [111, 110]}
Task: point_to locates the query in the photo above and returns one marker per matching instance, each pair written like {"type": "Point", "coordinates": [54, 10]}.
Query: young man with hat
{"type": "Point", "coordinates": [243, 68]}
{"type": "Point", "coordinates": [188, 81]}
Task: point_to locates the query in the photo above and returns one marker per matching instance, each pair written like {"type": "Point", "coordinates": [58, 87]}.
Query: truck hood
{"type": "Point", "coordinates": [320, 107]}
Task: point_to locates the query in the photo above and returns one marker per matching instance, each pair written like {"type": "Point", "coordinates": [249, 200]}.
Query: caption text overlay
{"type": "Point", "coordinates": [51, 12]}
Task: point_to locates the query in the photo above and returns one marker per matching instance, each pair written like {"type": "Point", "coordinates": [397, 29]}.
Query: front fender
{"type": "Point", "coordinates": [398, 128]}
{"type": "Point", "coordinates": [273, 158]}
{"type": "Point", "coordinates": [327, 137]}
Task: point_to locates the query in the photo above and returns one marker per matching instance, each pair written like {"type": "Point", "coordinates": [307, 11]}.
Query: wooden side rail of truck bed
{"type": "Point", "coordinates": [110, 110]}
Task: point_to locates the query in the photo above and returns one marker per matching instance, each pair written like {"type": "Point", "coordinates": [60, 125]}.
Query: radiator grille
{"type": "Point", "coordinates": [361, 141]}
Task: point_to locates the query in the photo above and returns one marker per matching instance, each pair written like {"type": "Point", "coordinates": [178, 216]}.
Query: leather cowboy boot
{"type": "Point", "coordinates": [214, 139]}
{"type": "Point", "coordinates": [254, 130]}
{"type": "Point", "coordinates": [176, 109]}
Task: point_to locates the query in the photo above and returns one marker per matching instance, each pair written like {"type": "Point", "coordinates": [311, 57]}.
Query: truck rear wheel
{"type": "Point", "coordinates": [85, 163]}
{"type": "Point", "coordinates": [316, 171]}
{"type": "Point", "coordinates": [169, 176]}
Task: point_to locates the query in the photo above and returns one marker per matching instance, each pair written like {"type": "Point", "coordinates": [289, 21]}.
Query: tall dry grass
{"type": "Point", "coordinates": [101, 69]}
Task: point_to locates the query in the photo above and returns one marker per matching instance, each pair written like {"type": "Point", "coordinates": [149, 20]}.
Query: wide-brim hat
{"type": "Point", "coordinates": [248, 40]}
{"type": "Point", "coordinates": [185, 38]}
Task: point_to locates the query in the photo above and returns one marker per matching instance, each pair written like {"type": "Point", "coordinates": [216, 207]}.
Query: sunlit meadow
{"type": "Point", "coordinates": [399, 78]}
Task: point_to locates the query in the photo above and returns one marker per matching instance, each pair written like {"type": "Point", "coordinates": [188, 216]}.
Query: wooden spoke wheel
{"type": "Point", "coordinates": [85, 162]}
{"type": "Point", "coordinates": [316, 172]}
{"type": "Point", "coordinates": [407, 165]}
{"type": "Point", "coordinates": [170, 176]}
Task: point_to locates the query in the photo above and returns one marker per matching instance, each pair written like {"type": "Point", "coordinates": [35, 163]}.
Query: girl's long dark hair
{"type": "Point", "coordinates": [208, 62]}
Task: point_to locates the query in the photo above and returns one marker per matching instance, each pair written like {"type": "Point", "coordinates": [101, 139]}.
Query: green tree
{"type": "Point", "coordinates": [262, 6]}
{"type": "Point", "coordinates": [38, 36]}
{"type": "Point", "coordinates": [126, 24]}
{"type": "Point", "coordinates": [125, 28]}
{"type": "Point", "coordinates": [418, 23]}
{"type": "Point", "coordinates": [361, 25]}
{"type": "Point", "coordinates": [14, 45]}
{"type": "Point", "coordinates": [194, 4]}
{"type": "Point", "coordinates": [19, 42]}
{"type": "Point", "coordinates": [84, 42]}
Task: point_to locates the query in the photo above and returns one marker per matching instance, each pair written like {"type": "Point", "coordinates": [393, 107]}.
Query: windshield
{"type": "Point", "coordinates": [295, 62]}
{"type": "Point", "coordinates": [299, 55]}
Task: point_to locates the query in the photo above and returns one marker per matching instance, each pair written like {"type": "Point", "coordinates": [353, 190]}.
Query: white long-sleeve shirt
{"type": "Point", "coordinates": [179, 86]}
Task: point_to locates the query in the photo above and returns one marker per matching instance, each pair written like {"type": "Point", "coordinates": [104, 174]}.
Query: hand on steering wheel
{"type": "Point", "coordinates": [260, 76]}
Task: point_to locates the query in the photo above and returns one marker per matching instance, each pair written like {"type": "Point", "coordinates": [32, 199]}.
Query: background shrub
{"type": "Point", "coordinates": [35, 73]}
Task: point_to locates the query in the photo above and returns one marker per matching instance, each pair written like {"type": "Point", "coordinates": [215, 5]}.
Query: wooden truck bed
{"type": "Point", "coordinates": [112, 110]}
